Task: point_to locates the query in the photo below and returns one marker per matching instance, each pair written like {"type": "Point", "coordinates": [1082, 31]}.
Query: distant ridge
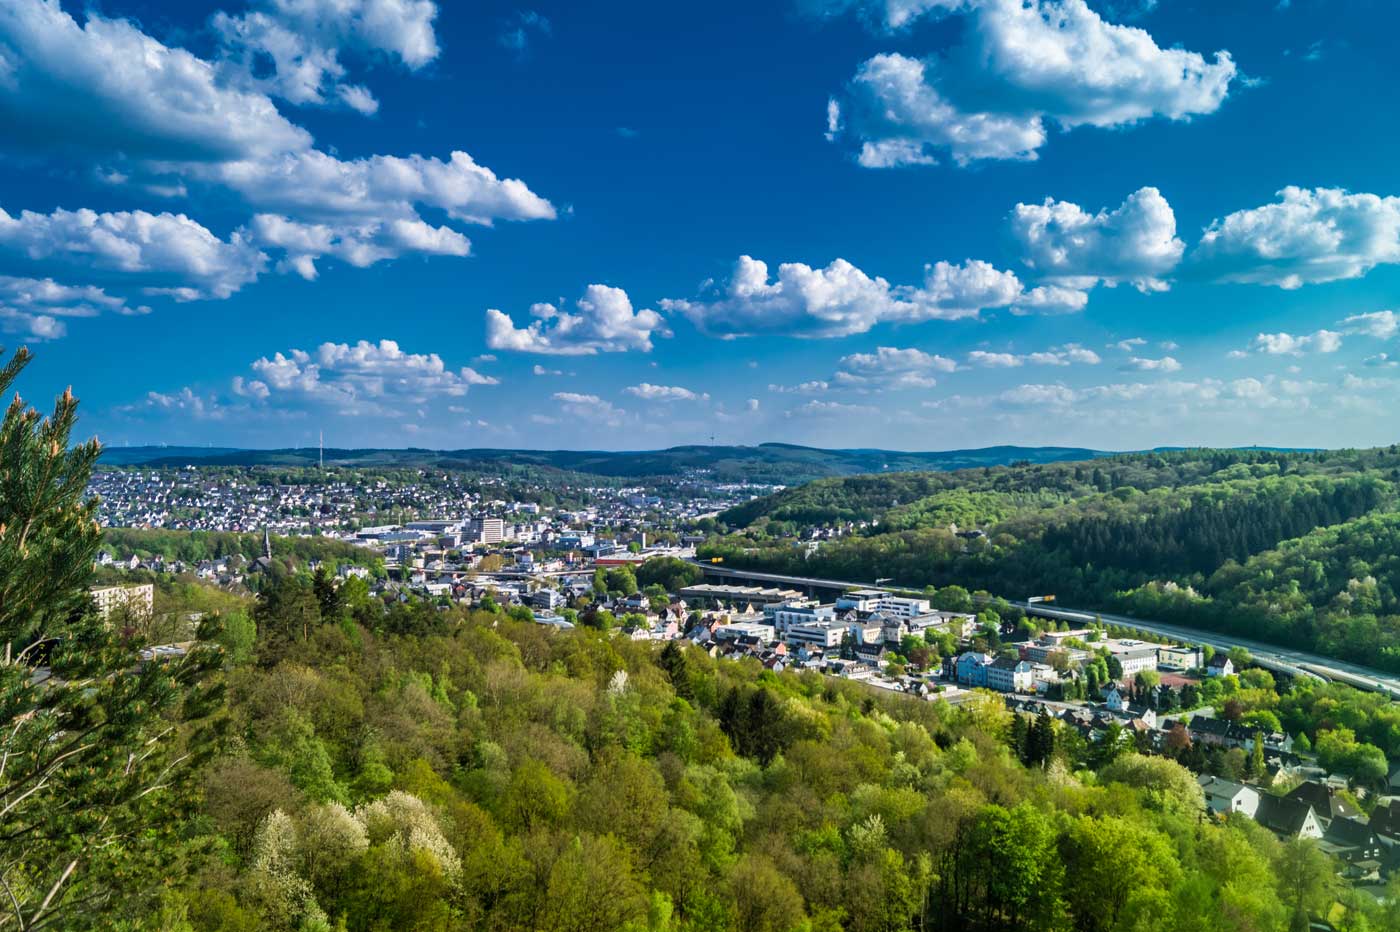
{"type": "Point", "coordinates": [783, 463]}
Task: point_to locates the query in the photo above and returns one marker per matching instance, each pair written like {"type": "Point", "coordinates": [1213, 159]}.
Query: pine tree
{"type": "Point", "coordinates": [96, 745]}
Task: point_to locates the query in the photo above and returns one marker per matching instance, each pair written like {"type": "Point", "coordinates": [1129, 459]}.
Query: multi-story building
{"type": "Point", "coordinates": [482, 530]}
{"type": "Point", "coordinates": [1134, 656]}
{"type": "Point", "coordinates": [820, 633]}
{"type": "Point", "coordinates": [783, 615]}
{"type": "Point", "coordinates": [139, 599]}
{"type": "Point", "coordinates": [1009, 675]}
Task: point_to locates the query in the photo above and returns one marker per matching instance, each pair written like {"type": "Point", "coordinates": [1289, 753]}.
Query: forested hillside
{"type": "Point", "coordinates": [412, 768]}
{"type": "Point", "coordinates": [1290, 547]}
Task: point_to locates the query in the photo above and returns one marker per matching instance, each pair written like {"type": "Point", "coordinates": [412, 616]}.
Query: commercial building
{"type": "Point", "coordinates": [483, 530]}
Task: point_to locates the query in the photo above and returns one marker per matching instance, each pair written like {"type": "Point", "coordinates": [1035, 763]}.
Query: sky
{"type": "Point", "coordinates": [909, 224]}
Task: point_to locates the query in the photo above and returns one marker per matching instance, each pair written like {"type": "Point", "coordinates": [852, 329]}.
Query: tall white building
{"type": "Point", "coordinates": [139, 599]}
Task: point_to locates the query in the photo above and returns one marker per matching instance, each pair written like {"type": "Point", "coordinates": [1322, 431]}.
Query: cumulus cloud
{"type": "Point", "coordinates": [170, 253]}
{"type": "Point", "coordinates": [830, 409]}
{"type": "Point", "coordinates": [363, 378]}
{"type": "Point", "coordinates": [316, 185]}
{"type": "Point", "coordinates": [811, 387]}
{"type": "Point", "coordinates": [303, 40]}
{"type": "Point", "coordinates": [162, 120]}
{"type": "Point", "coordinates": [1379, 324]}
{"type": "Point", "coordinates": [1247, 393]}
{"type": "Point", "coordinates": [892, 368]}
{"type": "Point", "coordinates": [1051, 299]}
{"type": "Point", "coordinates": [1021, 66]}
{"type": "Point", "coordinates": [106, 87]}
{"type": "Point", "coordinates": [589, 408]}
{"type": "Point", "coordinates": [1287, 344]}
{"type": "Point", "coordinates": [1308, 236]}
{"type": "Point", "coordinates": [184, 402]}
{"type": "Point", "coordinates": [840, 299]}
{"type": "Point", "coordinates": [649, 392]}
{"type": "Point", "coordinates": [359, 245]}
{"type": "Point", "coordinates": [35, 308]}
{"type": "Point", "coordinates": [1144, 364]}
{"type": "Point", "coordinates": [1135, 242]}
{"type": "Point", "coordinates": [1068, 355]}
{"type": "Point", "coordinates": [605, 322]}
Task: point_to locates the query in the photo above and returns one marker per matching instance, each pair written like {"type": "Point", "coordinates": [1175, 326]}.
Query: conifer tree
{"type": "Point", "coordinates": [95, 743]}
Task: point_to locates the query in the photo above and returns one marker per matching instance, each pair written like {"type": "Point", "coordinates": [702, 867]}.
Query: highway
{"type": "Point", "coordinates": [1283, 659]}
{"type": "Point", "coordinates": [1269, 656]}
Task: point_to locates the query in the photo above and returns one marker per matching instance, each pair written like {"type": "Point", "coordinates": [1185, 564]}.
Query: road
{"type": "Point", "coordinates": [1282, 659]}
{"type": "Point", "coordinates": [1269, 656]}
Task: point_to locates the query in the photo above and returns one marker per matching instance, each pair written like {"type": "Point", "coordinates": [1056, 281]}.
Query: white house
{"type": "Point", "coordinates": [1228, 796]}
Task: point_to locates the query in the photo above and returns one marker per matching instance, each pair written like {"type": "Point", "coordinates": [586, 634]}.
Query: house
{"type": "Point", "coordinates": [1287, 818]}
{"type": "Point", "coordinates": [1220, 665]}
{"type": "Point", "coordinates": [1225, 796]}
{"type": "Point", "coordinates": [1385, 821]}
{"type": "Point", "coordinates": [970, 668]}
{"type": "Point", "coordinates": [871, 654]}
{"type": "Point", "coordinates": [1354, 842]}
{"type": "Point", "coordinates": [1325, 800]}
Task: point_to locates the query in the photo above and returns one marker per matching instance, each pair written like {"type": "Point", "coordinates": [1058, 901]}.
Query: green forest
{"type": "Point", "coordinates": [1294, 548]}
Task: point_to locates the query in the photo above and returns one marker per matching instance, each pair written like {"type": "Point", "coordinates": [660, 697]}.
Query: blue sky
{"type": "Point", "coordinates": [918, 224]}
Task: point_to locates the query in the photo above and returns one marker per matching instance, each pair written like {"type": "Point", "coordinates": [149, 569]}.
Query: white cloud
{"type": "Point", "coordinates": [106, 88]}
{"type": "Point", "coordinates": [1143, 364]}
{"type": "Point", "coordinates": [752, 404]}
{"type": "Point", "coordinates": [1286, 344]}
{"type": "Point", "coordinates": [34, 308]}
{"type": "Point", "coordinates": [359, 245]}
{"type": "Point", "coordinates": [1129, 345]}
{"type": "Point", "coordinates": [304, 39]}
{"type": "Point", "coordinates": [1051, 299]}
{"type": "Point", "coordinates": [1309, 236]}
{"type": "Point", "coordinates": [892, 368]}
{"type": "Point", "coordinates": [1021, 64]}
{"type": "Point", "coordinates": [605, 323]}
{"type": "Point", "coordinates": [186, 403]}
{"type": "Point", "coordinates": [1381, 361]}
{"type": "Point", "coordinates": [649, 392]}
{"type": "Point", "coordinates": [162, 120]}
{"type": "Point", "coordinates": [317, 186]}
{"type": "Point", "coordinates": [541, 370]}
{"type": "Point", "coordinates": [1379, 324]}
{"type": "Point", "coordinates": [168, 253]}
{"type": "Point", "coordinates": [1135, 242]}
{"type": "Point", "coordinates": [590, 408]}
{"type": "Point", "coordinates": [363, 378]}
{"type": "Point", "coordinates": [1067, 355]}
{"type": "Point", "coordinates": [902, 119]}
{"type": "Point", "coordinates": [830, 409]}
{"type": "Point", "coordinates": [840, 299]}
{"type": "Point", "coordinates": [813, 387]}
